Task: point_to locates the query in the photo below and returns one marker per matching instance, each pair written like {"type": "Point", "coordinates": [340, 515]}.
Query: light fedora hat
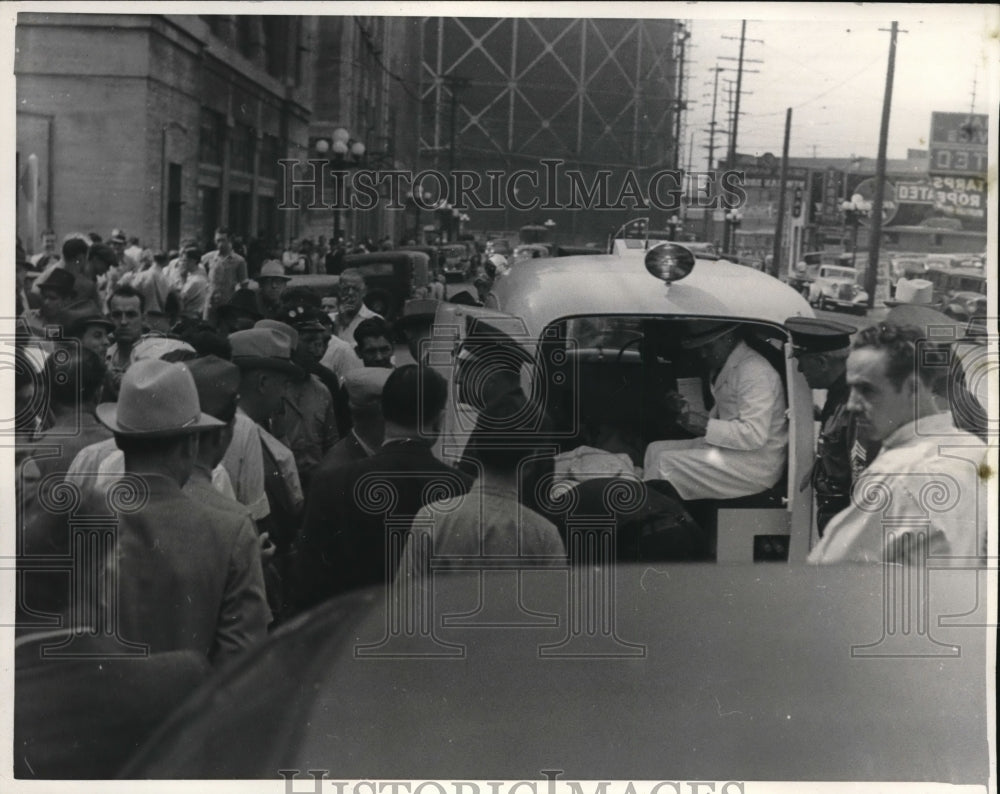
{"type": "Point", "coordinates": [157, 399]}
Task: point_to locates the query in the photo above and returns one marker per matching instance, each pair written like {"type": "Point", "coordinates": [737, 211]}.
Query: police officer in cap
{"type": "Point", "coordinates": [821, 347]}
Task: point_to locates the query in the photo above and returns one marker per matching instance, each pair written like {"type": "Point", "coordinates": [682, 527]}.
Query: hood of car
{"type": "Point", "coordinates": [671, 672]}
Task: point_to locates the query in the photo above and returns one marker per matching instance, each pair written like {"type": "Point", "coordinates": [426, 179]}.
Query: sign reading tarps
{"type": "Point", "coordinates": [958, 144]}
{"type": "Point", "coordinates": [962, 197]}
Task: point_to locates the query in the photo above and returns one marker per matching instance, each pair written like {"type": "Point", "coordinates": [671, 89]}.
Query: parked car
{"type": "Point", "coordinates": [836, 287]}
{"type": "Point", "coordinates": [455, 260]}
{"type": "Point", "coordinates": [499, 245]}
{"type": "Point", "coordinates": [530, 251]}
{"type": "Point", "coordinates": [960, 292]}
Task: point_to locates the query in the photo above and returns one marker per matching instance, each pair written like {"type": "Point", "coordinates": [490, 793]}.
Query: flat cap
{"type": "Point", "coordinates": [817, 335]}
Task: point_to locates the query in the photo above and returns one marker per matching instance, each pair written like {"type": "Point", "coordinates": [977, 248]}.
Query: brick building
{"type": "Point", "coordinates": [163, 125]}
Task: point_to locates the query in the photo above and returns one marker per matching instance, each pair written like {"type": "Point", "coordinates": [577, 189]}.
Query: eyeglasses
{"type": "Point", "coordinates": [348, 288]}
{"type": "Point", "coordinates": [118, 314]}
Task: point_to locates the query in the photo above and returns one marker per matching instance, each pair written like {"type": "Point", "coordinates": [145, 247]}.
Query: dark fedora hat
{"type": "Point", "coordinates": [244, 301]}
{"type": "Point", "coordinates": [57, 280]}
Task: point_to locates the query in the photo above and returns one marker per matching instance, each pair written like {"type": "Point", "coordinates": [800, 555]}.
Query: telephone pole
{"type": "Point", "coordinates": [875, 230]}
{"type": "Point", "coordinates": [683, 34]}
{"type": "Point", "coordinates": [731, 158]}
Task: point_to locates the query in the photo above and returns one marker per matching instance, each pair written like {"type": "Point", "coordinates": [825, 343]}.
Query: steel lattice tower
{"type": "Point", "coordinates": [504, 93]}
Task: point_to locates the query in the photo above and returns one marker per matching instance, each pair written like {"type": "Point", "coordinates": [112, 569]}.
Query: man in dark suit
{"type": "Point", "coordinates": [358, 516]}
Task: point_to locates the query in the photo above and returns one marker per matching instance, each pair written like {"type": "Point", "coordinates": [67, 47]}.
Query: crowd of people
{"type": "Point", "coordinates": [258, 454]}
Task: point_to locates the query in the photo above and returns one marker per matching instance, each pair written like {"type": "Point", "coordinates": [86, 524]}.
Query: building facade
{"type": "Point", "coordinates": [365, 79]}
{"type": "Point", "coordinates": [165, 126]}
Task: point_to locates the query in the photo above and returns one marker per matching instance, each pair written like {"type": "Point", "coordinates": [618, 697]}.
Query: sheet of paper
{"type": "Point", "coordinates": [690, 390]}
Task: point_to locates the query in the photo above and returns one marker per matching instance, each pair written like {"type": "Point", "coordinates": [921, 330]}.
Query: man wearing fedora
{"type": "Point", "coordinates": [740, 446]}
{"type": "Point", "coordinates": [186, 572]}
{"type": "Point", "coordinates": [272, 281]}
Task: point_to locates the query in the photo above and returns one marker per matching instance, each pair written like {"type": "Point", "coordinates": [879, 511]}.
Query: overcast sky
{"type": "Point", "coordinates": [828, 63]}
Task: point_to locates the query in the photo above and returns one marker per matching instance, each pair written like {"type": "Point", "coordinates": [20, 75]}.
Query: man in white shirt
{"type": "Point", "coordinates": [351, 309]}
{"type": "Point", "coordinates": [922, 493]}
{"type": "Point", "coordinates": [741, 446]}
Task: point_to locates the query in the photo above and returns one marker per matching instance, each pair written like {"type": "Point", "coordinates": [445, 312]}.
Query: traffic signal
{"type": "Point", "coordinates": [797, 203]}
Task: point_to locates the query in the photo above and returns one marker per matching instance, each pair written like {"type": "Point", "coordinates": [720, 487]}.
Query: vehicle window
{"type": "Point", "coordinates": [606, 378]}
{"type": "Point", "coordinates": [377, 269]}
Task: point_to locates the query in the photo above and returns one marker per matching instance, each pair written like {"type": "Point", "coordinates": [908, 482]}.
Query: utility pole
{"type": "Point", "coordinates": [712, 123]}
{"type": "Point", "coordinates": [731, 158]}
{"type": "Point", "coordinates": [683, 34]}
{"type": "Point", "coordinates": [706, 212]}
{"type": "Point", "coordinates": [875, 230]}
{"type": "Point", "coordinates": [779, 226]}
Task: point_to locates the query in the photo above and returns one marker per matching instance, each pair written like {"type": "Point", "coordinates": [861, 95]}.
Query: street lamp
{"type": "Point", "coordinates": [672, 225]}
{"type": "Point", "coordinates": [345, 151]}
{"type": "Point", "coordinates": [733, 219]}
{"type": "Point", "coordinates": [854, 210]}
{"type": "Point", "coordinates": [416, 197]}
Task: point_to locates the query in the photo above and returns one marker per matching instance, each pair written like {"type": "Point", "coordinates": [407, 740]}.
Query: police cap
{"type": "Point", "coordinates": [817, 335]}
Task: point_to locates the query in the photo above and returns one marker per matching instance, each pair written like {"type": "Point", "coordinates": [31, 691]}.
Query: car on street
{"type": "Point", "coordinates": [836, 287]}
{"type": "Point", "coordinates": [646, 673]}
{"type": "Point", "coordinates": [530, 251]}
{"type": "Point", "coordinates": [960, 292]}
{"type": "Point", "coordinates": [455, 261]}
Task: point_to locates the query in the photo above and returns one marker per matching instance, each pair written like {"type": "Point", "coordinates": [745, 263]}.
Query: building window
{"type": "Point", "coordinates": [269, 154]}
{"type": "Point", "coordinates": [211, 136]}
{"type": "Point", "coordinates": [241, 149]}
{"type": "Point", "coordinates": [277, 38]}
{"type": "Point", "coordinates": [937, 240]}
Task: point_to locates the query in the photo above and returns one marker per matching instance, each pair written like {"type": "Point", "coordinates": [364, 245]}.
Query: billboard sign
{"type": "Point", "coordinates": [958, 144]}
{"type": "Point", "coordinates": [951, 196]}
